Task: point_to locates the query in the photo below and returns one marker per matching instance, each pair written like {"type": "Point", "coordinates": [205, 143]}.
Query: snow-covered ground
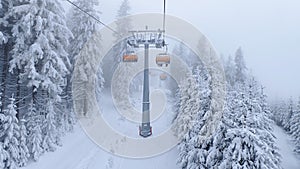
{"type": "Point", "coordinates": [79, 152]}
{"type": "Point", "coordinates": [290, 160]}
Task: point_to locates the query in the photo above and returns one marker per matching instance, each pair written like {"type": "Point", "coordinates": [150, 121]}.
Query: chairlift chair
{"type": "Point", "coordinates": [162, 59]}
{"type": "Point", "coordinates": [130, 56]}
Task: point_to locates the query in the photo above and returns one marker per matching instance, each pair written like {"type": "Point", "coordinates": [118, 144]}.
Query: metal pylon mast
{"type": "Point", "coordinates": [146, 39]}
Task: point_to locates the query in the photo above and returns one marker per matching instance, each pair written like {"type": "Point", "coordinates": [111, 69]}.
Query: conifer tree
{"type": "Point", "coordinates": [33, 124]}
{"type": "Point", "coordinates": [240, 66]}
{"type": "Point", "coordinates": [24, 152]}
{"type": "Point", "coordinates": [84, 29]}
{"type": "Point", "coordinates": [295, 127]}
{"type": "Point", "coordinates": [11, 136]}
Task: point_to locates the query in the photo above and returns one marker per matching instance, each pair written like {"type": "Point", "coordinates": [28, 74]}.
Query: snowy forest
{"type": "Point", "coordinates": [39, 44]}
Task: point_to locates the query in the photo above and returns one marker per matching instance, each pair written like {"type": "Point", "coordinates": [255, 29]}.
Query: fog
{"type": "Point", "coordinates": [268, 32]}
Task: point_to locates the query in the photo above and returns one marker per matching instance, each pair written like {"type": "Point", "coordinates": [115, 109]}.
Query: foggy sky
{"type": "Point", "coordinates": [267, 30]}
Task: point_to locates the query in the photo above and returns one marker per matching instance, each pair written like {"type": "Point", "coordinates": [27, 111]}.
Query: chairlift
{"type": "Point", "coordinates": [130, 56]}
{"type": "Point", "coordinates": [162, 59]}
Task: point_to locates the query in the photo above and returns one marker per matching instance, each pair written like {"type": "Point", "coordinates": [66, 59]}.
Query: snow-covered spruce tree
{"type": "Point", "coordinates": [123, 26]}
{"type": "Point", "coordinates": [267, 122]}
{"type": "Point", "coordinates": [181, 51]}
{"type": "Point", "coordinates": [239, 152]}
{"type": "Point", "coordinates": [200, 146]}
{"type": "Point", "coordinates": [280, 112]}
{"type": "Point", "coordinates": [3, 156]}
{"type": "Point", "coordinates": [249, 143]}
{"type": "Point", "coordinates": [266, 110]}
{"type": "Point", "coordinates": [84, 29]}
{"type": "Point", "coordinates": [56, 61]}
{"type": "Point", "coordinates": [2, 38]}
{"type": "Point", "coordinates": [197, 151]}
{"type": "Point", "coordinates": [189, 106]}
{"type": "Point", "coordinates": [82, 26]}
{"type": "Point", "coordinates": [189, 100]}
{"type": "Point", "coordinates": [0, 105]}
{"type": "Point", "coordinates": [203, 81]}
{"type": "Point", "coordinates": [49, 128]}
{"type": "Point", "coordinates": [121, 47]}
{"type": "Point", "coordinates": [6, 44]}
{"type": "Point", "coordinates": [244, 138]}
{"type": "Point", "coordinates": [229, 69]}
{"type": "Point", "coordinates": [240, 66]}
{"type": "Point", "coordinates": [99, 83]}
{"type": "Point", "coordinates": [24, 152]}
{"type": "Point", "coordinates": [86, 75]}
{"type": "Point", "coordinates": [3, 9]}
{"type": "Point", "coordinates": [11, 83]}
{"type": "Point", "coordinates": [193, 105]}
{"type": "Point", "coordinates": [34, 121]}
{"type": "Point", "coordinates": [287, 115]}
{"type": "Point", "coordinates": [217, 143]}
{"type": "Point", "coordinates": [295, 127]}
{"type": "Point", "coordinates": [216, 153]}
{"type": "Point", "coordinates": [274, 106]}
{"type": "Point", "coordinates": [41, 38]}
{"type": "Point", "coordinates": [11, 137]}
{"type": "Point", "coordinates": [259, 120]}
{"type": "Point", "coordinates": [3, 153]}
{"type": "Point", "coordinates": [217, 146]}
{"type": "Point", "coordinates": [39, 52]}
{"type": "Point", "coordinates": [2, 41]}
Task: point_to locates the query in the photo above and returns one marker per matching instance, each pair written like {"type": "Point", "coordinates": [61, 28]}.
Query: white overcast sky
{"type": "Point", "coordinates": [267, 30]}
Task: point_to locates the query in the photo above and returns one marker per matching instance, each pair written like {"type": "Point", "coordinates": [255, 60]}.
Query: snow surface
{"type": "Point", "coordinates": [79, 152]}
{"type": "Point", "coordinates": [290, 160]}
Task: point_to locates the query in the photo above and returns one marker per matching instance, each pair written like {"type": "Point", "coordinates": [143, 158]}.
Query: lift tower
{"type": "Point", "coordinates": [146, 39]}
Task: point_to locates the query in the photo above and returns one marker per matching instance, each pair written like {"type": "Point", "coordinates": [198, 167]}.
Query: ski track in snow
{"type": "Point", "coordinates": [290, 160]}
